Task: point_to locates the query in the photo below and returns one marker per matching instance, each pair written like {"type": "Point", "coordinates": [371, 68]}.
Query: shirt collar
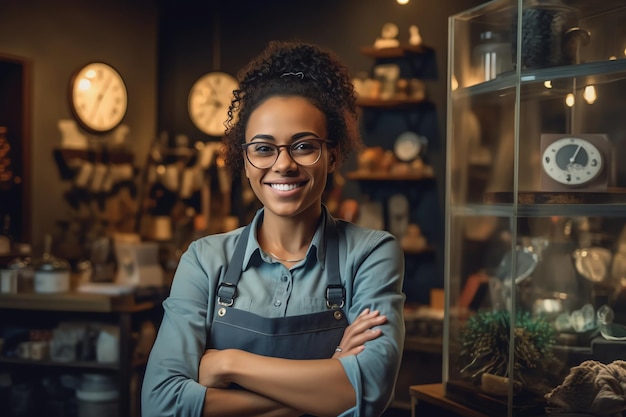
{"type": "Point", "coordinates": [317, 247]}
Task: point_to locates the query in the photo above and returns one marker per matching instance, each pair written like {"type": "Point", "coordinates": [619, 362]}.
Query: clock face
{"type": "Point", "coordinates": [572, 161]}
{"type": "Point", "coordinates": [208, 102]}
{"type": "Point", "coordinates": [98, 97]}
{"type": "Point", "coordinates": [408, 146]}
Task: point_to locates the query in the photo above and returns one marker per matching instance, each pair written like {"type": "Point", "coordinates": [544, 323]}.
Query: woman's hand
{"type": "Point", "coordinates": [358, 332]}
{"type": "Point", "coordinates": [209, 369]}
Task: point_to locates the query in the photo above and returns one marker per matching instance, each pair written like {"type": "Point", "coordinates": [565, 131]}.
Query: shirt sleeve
{"type": "Point", "coordinates": [377, 265]}
{"type": "Point", "coordinates": [170, 384]}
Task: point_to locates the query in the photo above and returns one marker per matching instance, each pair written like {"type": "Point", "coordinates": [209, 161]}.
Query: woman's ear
{"type": "Point", "coordinates": [332, 161]}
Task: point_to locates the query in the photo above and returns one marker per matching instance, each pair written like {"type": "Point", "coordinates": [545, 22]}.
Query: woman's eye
{"type": "Point", "coordinates": [264, 148]}
{"type": "Point", "coordinates": [304, 146]}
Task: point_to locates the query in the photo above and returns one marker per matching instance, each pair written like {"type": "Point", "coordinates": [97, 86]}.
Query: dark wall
{"type": "Point", "coordinates": [188, 47]}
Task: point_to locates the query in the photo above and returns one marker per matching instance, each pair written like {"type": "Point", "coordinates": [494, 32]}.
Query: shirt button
{"type": "Point", "coordinates": [285, 278]}
{"type": "Point", "coordinates": [277, 303]}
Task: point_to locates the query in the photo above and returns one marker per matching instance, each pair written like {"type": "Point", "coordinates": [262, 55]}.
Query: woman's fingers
{"type": "Point", "coordinates": [360, 331]}
{"type": "Point", "coordinates": [364, 322]}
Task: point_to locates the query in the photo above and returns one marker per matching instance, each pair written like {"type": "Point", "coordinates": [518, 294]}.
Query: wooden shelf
{"type": "Point", "coordinates": [72, 301]}
{"type": "Point", "coordinates": [433, 395]}
{"type": "Point", "coordinates": [121, 308]}
{"type": "Point", "coordinates": [394, 52]}
{"type": "Point", "coordinates": [384, 176]}
{"type": "Point", "coordinates": [424, 251]}
{"type": "Point", "coordinates": [389, 103]}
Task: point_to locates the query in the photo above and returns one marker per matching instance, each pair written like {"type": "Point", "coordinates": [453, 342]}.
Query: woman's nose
{"type": "Point", "coordinates": [284, 161]}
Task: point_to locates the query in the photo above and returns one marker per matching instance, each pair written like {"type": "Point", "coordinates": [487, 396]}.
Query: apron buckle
{"type": "Point", "coordinates": [335, 296]}
{"type": "Point", "coordinates": [226, 294]}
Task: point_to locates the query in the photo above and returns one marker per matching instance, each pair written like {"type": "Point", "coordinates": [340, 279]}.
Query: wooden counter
{"type": "Point", "coordinates": [430, 400]}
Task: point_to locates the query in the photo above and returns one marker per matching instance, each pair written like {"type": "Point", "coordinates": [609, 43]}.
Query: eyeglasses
{"type": "Point", "coordinates": [263, 155]}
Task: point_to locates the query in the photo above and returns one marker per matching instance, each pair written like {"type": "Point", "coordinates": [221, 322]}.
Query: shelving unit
{"type": "Point", "coordinates": [383, 120]}
{"type": "Point", "coordinates": [498, 214]}
{"type": "Point", "coordinates": [33, 310]}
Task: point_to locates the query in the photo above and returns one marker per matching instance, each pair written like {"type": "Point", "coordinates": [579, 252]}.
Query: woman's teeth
{"type": "Point", "coordinates": [284, 187]}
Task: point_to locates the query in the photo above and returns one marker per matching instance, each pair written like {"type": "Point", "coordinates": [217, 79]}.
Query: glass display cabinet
{"type": "Point", "coordinates": [535, 272]}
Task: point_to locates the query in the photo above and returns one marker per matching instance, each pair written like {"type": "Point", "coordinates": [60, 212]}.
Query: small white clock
{"type": "Point", "coordinates": [208, 102]}
{"type": "Point", "coordinates": [574, 162]}
{"type": "Point", "coordinates": [408, 146]}
{"type": "Point", "coordinates": [98, 97]}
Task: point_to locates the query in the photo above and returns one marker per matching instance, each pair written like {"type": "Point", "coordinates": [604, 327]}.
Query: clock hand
{"type": "Point", "coordinates": [573, 158]}
{"type": "Point", "coordinates": [100, 96]}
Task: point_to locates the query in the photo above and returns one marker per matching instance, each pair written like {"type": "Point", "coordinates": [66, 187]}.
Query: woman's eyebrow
{"type": "Point", "coordinates": [261, 136]}
{"type": "Point", "coordinates": [293, 137]}
{"type": "Point", "coordinates": [304, 134]}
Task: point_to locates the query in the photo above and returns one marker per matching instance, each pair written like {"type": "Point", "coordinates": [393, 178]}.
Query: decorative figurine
{"type": "Point", "coordinates": [415, 39]}
{"type": "Point", "coordinates": [388, 38]}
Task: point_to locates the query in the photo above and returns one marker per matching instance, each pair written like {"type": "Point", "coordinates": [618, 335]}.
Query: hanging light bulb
{"type": "Point", "coordinates": [547, 84]}
{"type": "Point", "coordinates": [570, 100]}
{"type": "Point", "coordinates": [589, 94]}
{"type": "Point", "coordinates": [454, 84]}
{"type": "Point", "coordinates": [402, 1]}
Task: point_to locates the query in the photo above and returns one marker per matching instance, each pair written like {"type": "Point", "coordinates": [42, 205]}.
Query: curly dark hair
{"type": "Point", "coordinates": [294, 69]}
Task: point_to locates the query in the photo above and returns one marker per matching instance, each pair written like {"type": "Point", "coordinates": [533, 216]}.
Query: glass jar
{"type": "Point", "coordinates": [52, 274]}
{"type": "Point", "coordinates": [491, 56]}
{"type": "Point", "coordinates": [550, 34]}
{"type": "Point", "coordinates": [18, 276]}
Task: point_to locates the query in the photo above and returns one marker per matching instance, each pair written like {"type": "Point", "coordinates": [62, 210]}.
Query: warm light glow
{"type": "Point", "coordinates": [569, 100]}
{"type": "Point", "coordinates": [84, 84]}
{"type": "Point", "coordinates": [403, 1]}
{"type": "Point", "coordinates": [454, 83]}
{"type": "Point", "coordinates": [589, 94]}
{"type": "Point", "coordinates": [612, 58]}
{"type": "Point", "coordinates": [90, 73]}
{"type": "Point", "coordinates": [547, 84]}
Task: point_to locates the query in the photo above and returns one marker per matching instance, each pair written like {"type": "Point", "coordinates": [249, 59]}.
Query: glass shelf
{"type": "Point", "coordinates": [525, 256]}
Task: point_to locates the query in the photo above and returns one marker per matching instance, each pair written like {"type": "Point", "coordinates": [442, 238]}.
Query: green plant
{"type": "Point", "coordinates": [485, 340]}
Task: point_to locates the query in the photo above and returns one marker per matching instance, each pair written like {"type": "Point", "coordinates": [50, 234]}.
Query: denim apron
{"type": "Point", "coordinates": [307, 336]}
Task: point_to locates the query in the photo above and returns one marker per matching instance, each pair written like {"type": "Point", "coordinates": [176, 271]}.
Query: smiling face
{"type": "Point", "coordinates": [287, 189]}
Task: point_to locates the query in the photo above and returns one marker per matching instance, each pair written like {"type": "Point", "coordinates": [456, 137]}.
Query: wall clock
{"type": "Point", "coordinates": [408, 146]}
{"type": "Point", "coordinates": [574, 162]}
{"type": "Point", "coordinates": [98, 97]}
{"type": "Point", "coordinates": [208, 102]}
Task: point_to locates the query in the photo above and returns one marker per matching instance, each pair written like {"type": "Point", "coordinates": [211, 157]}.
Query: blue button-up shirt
{"type": "Point", "coordinates": [372, 268]}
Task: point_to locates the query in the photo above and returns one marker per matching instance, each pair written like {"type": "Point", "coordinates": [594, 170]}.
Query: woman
{"type": "Point", "coordinates": [297, 313]}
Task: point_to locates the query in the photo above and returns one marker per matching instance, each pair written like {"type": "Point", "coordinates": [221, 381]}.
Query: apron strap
{"type": "Point", "coordinates": [335, 292]}
{"type": "Point", "coordinates": [227, 289]}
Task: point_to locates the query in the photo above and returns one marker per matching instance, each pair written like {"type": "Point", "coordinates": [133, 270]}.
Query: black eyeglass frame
{"type": "Point", "coordinates": [245, 146]}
